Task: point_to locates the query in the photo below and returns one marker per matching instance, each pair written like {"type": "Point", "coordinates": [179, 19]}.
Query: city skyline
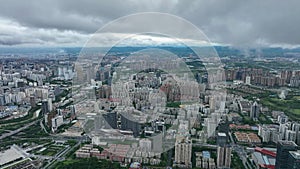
{"type": "Point", "coordinates": [149, 84]}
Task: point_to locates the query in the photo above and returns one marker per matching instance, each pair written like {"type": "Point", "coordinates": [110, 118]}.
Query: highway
{"type": "Point", "coordinates": [35, 115]}
{"type": "Point", "coordinates": [18, 130]}
{"type": "Point", "coordinates": [43, 127]}
{"type": "Point", "coordinates": [22, 128]}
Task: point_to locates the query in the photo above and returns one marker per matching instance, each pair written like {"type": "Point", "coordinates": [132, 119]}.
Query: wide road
{"type": "Point", "coordinates": [18, 130]}
{"type": "Point", "coordinates": [60, 155]}
{"type": "Point", "coordinates": [22, 128]}
{"type": "Point", "coordinates": [205, 145]}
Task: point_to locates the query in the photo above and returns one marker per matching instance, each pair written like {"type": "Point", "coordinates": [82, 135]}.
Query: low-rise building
{"type": "Point", "coordinates": [244, 137]}
{"type": "Point", "coordinates": [263, 159]}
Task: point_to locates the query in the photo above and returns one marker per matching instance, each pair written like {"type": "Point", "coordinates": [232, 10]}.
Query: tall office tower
{"type": "Point", "coordinates": [211, 126]}
{"type": "Point", "coordinates": [223, 126]}
{"type": "Point", "coordinates": [183, 152]}
{"type": "Point", "coordinates": [283, 148]}
{"type": "Point", "coordinates": [223, 151]}
{"type": "Point", "coordinates": [32, 101]}
{"type": "Point", "coordinates": [294, 160]}
{"type": "Point", "coordinates": [60, 72]}
{"type": "Point", "coordinates": [45, 109]}
{"type": "Point", "coordinates": [50, 104]}
{"type": "Point", "coordinates": [111, 119]}
{"type": "Point", "coordinates": [2, 100]}
{"type": "Point", "coordinates": [221, 139]}
{"type": "Point", "coordinates": [212, 104]}
{"type": "Point", "coordinates": [127, 123]}
{"type": "Point", "coordinates": [73, 109]}
{"type": "Point", "coordinates": [254, 112]}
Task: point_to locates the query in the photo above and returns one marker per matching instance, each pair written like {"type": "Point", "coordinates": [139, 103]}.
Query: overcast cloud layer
{"type": "Point", "coordinates": [71, 23]}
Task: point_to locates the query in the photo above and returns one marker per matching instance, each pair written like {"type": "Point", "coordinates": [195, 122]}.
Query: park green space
{"type": "Point", "coordinates": [51, 150]}
{"type": "Point", "coordinates": [87, 163]}
{"type": "Point", "coordinates": [290, 106]}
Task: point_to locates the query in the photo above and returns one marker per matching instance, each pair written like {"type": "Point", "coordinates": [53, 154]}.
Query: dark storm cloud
{"type": "Point", "coordinates": [245, 23]}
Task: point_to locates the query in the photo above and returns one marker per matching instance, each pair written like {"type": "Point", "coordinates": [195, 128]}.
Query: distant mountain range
{"type": "Point", "coordinates": [222, 50]}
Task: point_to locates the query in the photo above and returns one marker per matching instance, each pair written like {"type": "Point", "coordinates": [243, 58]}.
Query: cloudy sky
{"type": "Point", "coordinates": [72, 23]}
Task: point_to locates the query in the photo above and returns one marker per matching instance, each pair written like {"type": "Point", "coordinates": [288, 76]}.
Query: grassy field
{"type": "Point", "coordinates": [51, 150]}
{"type": "Point", "coordinates": [291, 106]}
{"type": "Point", "coordinates": [91, 163]}
{"type": "Point", "coordinates": [34, 131]}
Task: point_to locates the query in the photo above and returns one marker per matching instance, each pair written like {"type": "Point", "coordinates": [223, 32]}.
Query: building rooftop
{"type": "Point", "coordinates": [265, 152]}
{"type": "Point", "coordinates": [295, 154]}
{"type": "Point", "coordinates": [287, 143]}
{"type": "Point", "coordinates": [9, 155]}
{"type": "Point", "coordinates": [263, 160]}
{"type": "Point", "coordinates": [222, 134]}
{"type": "Point", "coordinates": [206, 154]}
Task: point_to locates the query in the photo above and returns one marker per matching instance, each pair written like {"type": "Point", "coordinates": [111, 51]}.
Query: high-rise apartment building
{"type": "Point", "coordinates": [183, 152]}
{"type": "Point", "coordinates": [223, 151]}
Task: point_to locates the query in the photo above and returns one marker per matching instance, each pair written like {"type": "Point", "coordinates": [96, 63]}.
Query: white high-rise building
{"type": "Point", "coordinates": [290, 135]}
{"type": "Point", "coordinates": [223, 157]}
{"type": "Point", "coordinates": [60, 71]}
{"type": "Point", "coordinates": [275, 136]}
{"type": "Point", "coordinates": [269, 133]}
{"type": "Point", "coordinates": [211, 127]}
{"type": "Point", "coordinates": [248, 80]}
{"type": "Point", "coordinates": [56, 122]}
{"type": "Point", "coordinates": [265, 134]}
{"type": "Point", "coordinates": [282, 130]}
{"type": "Point", "coordinates": [212, 104]}
{"type": "Point", "coordinates": [50, 104]}
{"type": "Point", "coordinates": [183, 152]}
{"type": "Point", "coordinates": [212, 123]}
{"type": "Point", "coordinates": [282, 119]}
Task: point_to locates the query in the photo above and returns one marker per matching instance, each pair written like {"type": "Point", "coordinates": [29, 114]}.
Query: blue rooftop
{"type": "Point", "coordinates": [206, 154]}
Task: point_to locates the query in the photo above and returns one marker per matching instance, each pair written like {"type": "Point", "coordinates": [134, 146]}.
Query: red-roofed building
{"type": "Point", "coordinates": [266, 152]}
{"type": "Point", "coordinates": [264, 159]}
